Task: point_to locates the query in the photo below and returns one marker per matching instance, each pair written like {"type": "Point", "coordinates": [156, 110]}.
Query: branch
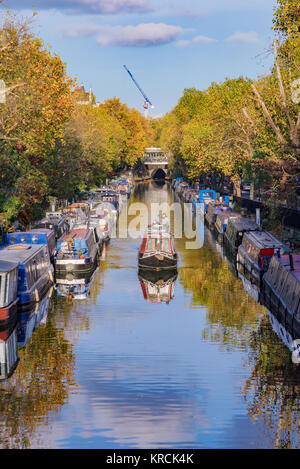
{"type": "Point", "coordinates": [269, 118]}
{"type": "Point", "coordinates": [281, 88]}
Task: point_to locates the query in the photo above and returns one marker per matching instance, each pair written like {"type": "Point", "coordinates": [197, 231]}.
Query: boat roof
{"type": "Point", "coordinates": [244, 224]}
{"type": "Point", "coordinates": [228, 214]}
{"type": "Point", "coordinates": [80, 233]}
{"type": "Point", "coordinates": [264, 239]}
{"type": "Point", "coordinates": [20, 253]}
{"type": "Point", "coordinates": [285, 260]}
{"type": "Point", "coordinates": [49, 220]}
{"type": "Point", "coordinates": [45, 231]}
{"type": "Point", "coordinates": [7, 266]}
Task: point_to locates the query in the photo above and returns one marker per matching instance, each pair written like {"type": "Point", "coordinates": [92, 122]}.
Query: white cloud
{"type": "Point", "coordinates": [195, 40]}
{"type": "Point", "coordinates": [203, 40]}
{"type": "Point", "coordinates": [250, 37]}
{"type": "Point", "coordinates": [89, 6]}
{"type": "Point", "coordinates": [183, 43]}
{"type": "Point", "coordinates": [142, 35]}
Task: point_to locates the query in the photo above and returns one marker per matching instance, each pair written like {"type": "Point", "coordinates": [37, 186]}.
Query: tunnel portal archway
{"type": "Point", "coordinates": [159, 173]}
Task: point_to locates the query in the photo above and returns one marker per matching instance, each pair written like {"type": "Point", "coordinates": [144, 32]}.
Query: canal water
{"type": "Point", "coordinates": [198, 365]}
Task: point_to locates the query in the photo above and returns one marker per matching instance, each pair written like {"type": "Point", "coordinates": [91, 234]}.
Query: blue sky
{"type": "Point", "coordinates": [168, 45]}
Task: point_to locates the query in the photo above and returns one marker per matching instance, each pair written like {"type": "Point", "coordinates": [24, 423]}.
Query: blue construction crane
{"type": "Point", "coordinates": [147, 100]}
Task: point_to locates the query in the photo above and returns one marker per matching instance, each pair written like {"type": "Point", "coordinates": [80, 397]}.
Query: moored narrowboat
{"type": "Point", "coordinates": [235, 230]}
{"type": "Point", "coordinates": [255, 253]}
{"type": "Point", "coordinates": [94, 226]}
{"type": "Point", "coordinates": [213, 208]}
{"type": "Point", "coordinates": [8, 290]}
{"type": "Point", "coordinates": [35, 271]}
{"type": "Point", "coordinates": [281, 290]}
{"type": "Point", "coordinates": [77, 252]}
{"type": "Point", "coordinates": [54, 221]}
{"type": "Point", "coordinates": [36, 236]}
{"type": "Point", "coordinates": [221, 224]}
{"type": "Point", "coordinates": [157, 250]}
{"type": "Point", "coordinates": [205, 196]}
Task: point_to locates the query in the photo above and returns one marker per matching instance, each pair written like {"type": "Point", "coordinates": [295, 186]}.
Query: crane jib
{"type": "Point", "coordinates": [138, 86]}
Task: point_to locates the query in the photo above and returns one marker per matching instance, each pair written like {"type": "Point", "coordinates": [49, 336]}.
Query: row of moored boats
{"type": "Point", "coordinates": [270, 267]}
{"type": "Point", "coordinates": [62, 250]}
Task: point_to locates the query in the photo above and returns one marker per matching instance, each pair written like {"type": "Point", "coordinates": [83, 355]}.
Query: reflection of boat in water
{"type": "Point", "coordinates": [251, 288]}
{"type": "Point", "coordinates": [289, 340]}
{"type": "Point", "coordinates": [157, 287]}
{"type": "Point", "coordinates": [8, 349]}
{"type": "Point", "coordinates": [74, 288]}
{"type": "Point", "coordinates": [29, 320]}
{"type": "Point", "coordinates": [281, 290]}
{"type": "Point", "coordinates": [157, 250]}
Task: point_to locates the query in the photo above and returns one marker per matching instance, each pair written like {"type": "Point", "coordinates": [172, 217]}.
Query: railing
{"type": "Point", "coordinates": [156, 158]}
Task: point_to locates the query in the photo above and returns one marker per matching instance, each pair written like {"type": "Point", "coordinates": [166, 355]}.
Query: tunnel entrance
{"type": "Point", "coordinates": [159, 174]}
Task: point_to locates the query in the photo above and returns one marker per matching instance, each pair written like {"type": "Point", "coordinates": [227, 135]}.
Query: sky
{"type": "Point", "coordinates": [168, 45]}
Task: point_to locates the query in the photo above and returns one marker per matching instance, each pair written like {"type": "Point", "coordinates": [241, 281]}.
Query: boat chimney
{"type": "Point", "coordinates": [291, 261]}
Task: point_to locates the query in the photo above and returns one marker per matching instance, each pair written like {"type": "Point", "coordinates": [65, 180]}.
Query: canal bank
{"type": "Point", "coordinates": [203, 370]}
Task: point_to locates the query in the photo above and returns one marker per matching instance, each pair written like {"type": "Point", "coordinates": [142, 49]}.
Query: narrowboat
{"type": "Point", "coordinates": [281, 290]}
{"type": "Point", "coordinates": [9, 358]}
{"type": "Point", "coordinates": [8, 290]}
{"type": "Point", "coordinates": [54, 221]}
{"type": "Point", "coordinates": [157, 250]}
{"type": "Point", "coordinates": [221, 224]}
{"type": "Point", "coordinates": [77, 251]}
{"type": "Point", "coordinates": [36, 236]}
{"type": "Point", "coordinates": [213, 208]}
{"type": "Point", "coordinates": [109, 195]}
{"type": "Point", "coordinates": [104, 223]}
{"type": "Point", "coordinates": [35, 271]}
{"type": "Point", "coordinates": [236, 227]}
{"type": "Point", "coordinates": [93, 225]}
{"type": "Point", "coordinates": [205, 196]}
{"type": "Point", "coordinates": [157, 287]}
{"type": "Point", "coordinates": [255, 253]}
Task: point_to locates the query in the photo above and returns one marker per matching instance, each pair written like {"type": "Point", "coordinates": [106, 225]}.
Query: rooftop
{"type": "Point", "coordinates": [7, 266]}
{"type": "Point", "coordinates": [20, 252]}
{"type": "Point", "coordinates": [264, 239]}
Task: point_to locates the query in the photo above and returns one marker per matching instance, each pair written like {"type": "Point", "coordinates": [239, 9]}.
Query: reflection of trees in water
{"type": "Point", "coordinates": [44, 376]}
{"type": "Point", "coordinates": [214, 286]}
{"type": "Point", "coordinates": [272, 392]}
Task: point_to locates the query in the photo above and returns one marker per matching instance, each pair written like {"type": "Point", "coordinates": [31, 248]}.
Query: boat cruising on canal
{"type": "Point", "coordinates": [77, 251]}
{"type": "Point", "coordinates": [255, 253]}
{"type": "Point", "coordinates": [8, 290]}
{"type": "Point", "coordinates": [35, 271]}
{"type": "Point", "coordinates": [157, 250]}
{"type": "Point", "coordinates": [281, 290]}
